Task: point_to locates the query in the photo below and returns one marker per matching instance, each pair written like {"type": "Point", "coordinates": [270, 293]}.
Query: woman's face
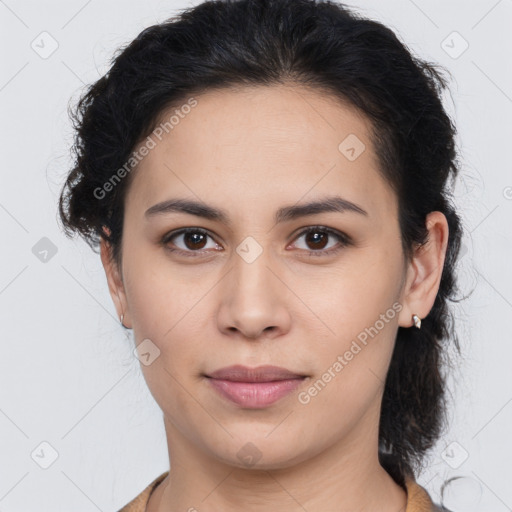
{"type": "Point", "coordinates": [251, 288]}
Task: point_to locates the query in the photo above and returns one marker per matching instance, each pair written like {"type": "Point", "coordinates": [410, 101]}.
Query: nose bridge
{"type": "Point", "coordinates": [251, 266]}
{"type": "Point", "coordinates": [253, 299]}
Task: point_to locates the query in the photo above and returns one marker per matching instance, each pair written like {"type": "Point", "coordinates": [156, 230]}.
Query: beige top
{"type": "Point", "coordinates": [418, 499]}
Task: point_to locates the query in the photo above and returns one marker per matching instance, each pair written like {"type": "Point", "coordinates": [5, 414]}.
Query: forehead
{"type": "Point", "coordinates": [264, 143]}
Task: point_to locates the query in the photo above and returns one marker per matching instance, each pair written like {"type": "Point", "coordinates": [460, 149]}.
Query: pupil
{"type": "Point", "coordinates": [315, 242]}
{"type": "Point", "coordinates": [196, 238]}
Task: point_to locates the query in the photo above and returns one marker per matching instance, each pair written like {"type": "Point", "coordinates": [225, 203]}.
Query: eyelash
{"type": "Point", "coordinates": [343, 239]}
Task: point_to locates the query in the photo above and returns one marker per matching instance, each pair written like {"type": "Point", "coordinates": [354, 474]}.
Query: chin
{"type": "Point", "coordinates": [262, 454]}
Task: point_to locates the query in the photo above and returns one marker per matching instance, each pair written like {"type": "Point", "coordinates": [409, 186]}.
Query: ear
{"type": "Point", "coordinates": [115, 280]}
{"type": "Point", "coordinates": [424, 271]}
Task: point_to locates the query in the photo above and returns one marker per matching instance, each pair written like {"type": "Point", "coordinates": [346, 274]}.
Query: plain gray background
{"type": "Point", "coordinates": [72, 396]}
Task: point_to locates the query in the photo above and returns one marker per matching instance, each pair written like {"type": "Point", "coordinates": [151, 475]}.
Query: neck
{"type": "Point", "coordinates": [346, 476]}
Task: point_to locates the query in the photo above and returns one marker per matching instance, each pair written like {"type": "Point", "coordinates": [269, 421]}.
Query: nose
{"type": "Point", "coordinates": [254, 300]}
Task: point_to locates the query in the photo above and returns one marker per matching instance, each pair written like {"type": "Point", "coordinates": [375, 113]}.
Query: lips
{"type": "Point", "coordinates": [254, 388]}
{"type": "Point", "coordinates": [239, 373]}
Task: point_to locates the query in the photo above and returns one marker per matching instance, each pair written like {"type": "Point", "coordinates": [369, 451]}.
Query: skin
{"type": "Point", "coordinates": [251, 151]}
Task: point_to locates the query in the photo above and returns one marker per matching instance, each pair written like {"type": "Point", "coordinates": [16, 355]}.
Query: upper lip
{"type": "Point", "coordinates": [267, 373]}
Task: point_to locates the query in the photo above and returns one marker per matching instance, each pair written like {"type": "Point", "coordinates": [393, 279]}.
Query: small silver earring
{"type": "Point", "coordinates": [122, 317]}
{"type": "Point", "coordinates": [417, 321]}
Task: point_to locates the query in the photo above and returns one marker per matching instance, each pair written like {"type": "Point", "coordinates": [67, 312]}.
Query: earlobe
{"type": "Point", "coordinates": [425, 271]}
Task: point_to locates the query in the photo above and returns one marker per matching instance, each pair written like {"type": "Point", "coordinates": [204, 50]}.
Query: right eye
{"type": "Point", "coordinates": [193, 241]}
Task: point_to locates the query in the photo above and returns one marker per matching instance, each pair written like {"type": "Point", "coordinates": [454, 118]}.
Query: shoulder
{"type": "Point", "coordinates": [138, 504]}
{"type": "Point", "coordinates": [418, 499]}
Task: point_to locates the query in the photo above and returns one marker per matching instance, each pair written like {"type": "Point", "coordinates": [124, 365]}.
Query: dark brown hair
{"type": "Point", "coordinates": [325, 46]}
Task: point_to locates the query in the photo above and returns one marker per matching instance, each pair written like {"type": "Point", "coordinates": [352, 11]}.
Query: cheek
{"type": "Point", "coordinates": [167, 317]}
{"type": "Point", "coordinates": [166, 308]}
{"type": "Point", "coordinates": [158, 295]}
{"type": "Point", "coordinates": [351, 371]}
{"type": "Point", "coordinates": [360, 309]}
{"type": "Point", "coordinates": [349, 302]}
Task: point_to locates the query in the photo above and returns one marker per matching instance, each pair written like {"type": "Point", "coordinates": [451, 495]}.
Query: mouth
{"type": "Point", "coordinates": [254, 388]}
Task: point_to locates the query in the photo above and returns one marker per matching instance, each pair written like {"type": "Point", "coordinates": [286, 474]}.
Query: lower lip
{"type": "Point", "coordinates": [255, 395]}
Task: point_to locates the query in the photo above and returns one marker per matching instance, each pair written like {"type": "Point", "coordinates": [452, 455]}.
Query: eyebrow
{"type": "Point", "coordinates": [286, 213]}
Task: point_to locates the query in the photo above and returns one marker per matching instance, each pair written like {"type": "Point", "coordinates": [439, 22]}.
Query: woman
{"type": "Point", "coordinates": [267, 182]}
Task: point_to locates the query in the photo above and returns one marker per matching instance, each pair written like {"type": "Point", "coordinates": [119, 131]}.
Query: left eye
{"type": "Point", "coordinates": [194, 240]}
{"type": "Point", "coordinates": [317, 236]}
